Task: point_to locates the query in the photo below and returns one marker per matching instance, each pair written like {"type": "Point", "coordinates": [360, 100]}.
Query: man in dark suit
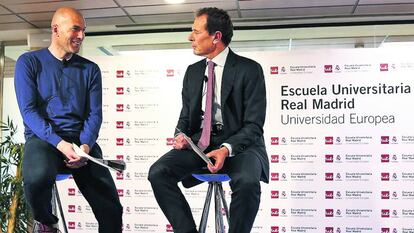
{"type": "Point", "coordinates": [236, 144]}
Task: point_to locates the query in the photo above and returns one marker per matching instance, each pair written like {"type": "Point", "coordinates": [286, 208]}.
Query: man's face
{"type": "Point", "coordinates": [71, 33]}
{"type": "Point", "coordinates": [201, 41]}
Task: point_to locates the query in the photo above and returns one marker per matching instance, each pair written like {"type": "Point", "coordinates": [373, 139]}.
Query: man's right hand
{"type": "Point", "coordinates": [180, 143]}
{"type": "Point", "coordinates": [72, 159]}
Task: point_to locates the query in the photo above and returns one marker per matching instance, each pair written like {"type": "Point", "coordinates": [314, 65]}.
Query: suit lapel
{"type": "Point", "coordinates": [199, 78]}
{"type": "Point", "coordinates": [228, 77]}
{"type": "Point", "coordinates": [196, 87]}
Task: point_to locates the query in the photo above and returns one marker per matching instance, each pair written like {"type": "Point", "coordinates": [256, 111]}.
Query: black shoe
{"type": "Point", "coordinates": [43, 228]}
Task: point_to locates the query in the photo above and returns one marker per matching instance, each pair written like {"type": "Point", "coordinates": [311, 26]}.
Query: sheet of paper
{"type": "Point", "coordinates": [81, 153]}
{"type": "Point", "coordinates": [196, 149]}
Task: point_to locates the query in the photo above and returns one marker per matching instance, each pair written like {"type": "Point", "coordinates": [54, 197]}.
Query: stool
{"type": "Point", "coordinates": [214, 182]}
{"type": "Point", "coordinates": [56, 203]}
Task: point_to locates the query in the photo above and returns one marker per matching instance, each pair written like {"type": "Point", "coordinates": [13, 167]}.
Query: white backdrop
{"type": "Point", "coordinates": [338, 132]}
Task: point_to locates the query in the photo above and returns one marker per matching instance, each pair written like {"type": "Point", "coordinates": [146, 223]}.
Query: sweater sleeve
{"type": "Point", "coordinates": [93, 121]}
{"type": "Point", "coordinates": [27, 94]}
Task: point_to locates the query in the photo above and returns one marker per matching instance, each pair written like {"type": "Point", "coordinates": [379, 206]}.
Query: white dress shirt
{"type": "Point", "coordinates": [219, 61]}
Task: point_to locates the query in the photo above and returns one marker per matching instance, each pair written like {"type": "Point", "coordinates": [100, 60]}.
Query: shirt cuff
{"type": "Point", "coordinates": [228, 146]}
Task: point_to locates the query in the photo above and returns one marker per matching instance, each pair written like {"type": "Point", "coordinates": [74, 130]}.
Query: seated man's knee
{"type": "Point", "coordinates": [246, 185]}
{"type": "Point", "coordinates": [156, 172]}
{"type": "Point", "coordinates": [37, 181]}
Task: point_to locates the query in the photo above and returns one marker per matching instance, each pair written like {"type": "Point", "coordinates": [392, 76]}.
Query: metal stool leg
{"type": "Point", "coordinates": [214, 182]}
{"type": "Point", "coordinates": [59, 204]}
{"type": "Point", "coordinates": [219, 215]}
{"type": "Point", "coordinates": [204, 216]}
{"type": "Point", "coordinates": [54, 201]}
{"type": "Point", "coordinates": [223, 200]}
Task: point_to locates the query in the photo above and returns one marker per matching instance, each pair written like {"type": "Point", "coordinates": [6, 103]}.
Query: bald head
{"type": "Point", "coordinates": [64, 14]}
{"type": "Point", "coordinates": [68, 32]}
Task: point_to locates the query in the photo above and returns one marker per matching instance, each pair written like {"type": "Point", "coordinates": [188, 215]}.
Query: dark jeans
{"type": "Point", "coordinates": [42, 162]}
{"type": "Point", "coordinates": [244, 169]}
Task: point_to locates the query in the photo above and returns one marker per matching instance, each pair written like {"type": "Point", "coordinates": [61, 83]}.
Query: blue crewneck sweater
{"type": "Point", "coordinates": [59, 99]}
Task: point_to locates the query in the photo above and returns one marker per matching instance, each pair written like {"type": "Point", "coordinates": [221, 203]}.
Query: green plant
{"type": "Point", "coordinates": [14, 213]}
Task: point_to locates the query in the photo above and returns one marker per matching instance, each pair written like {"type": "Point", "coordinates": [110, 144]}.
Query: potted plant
{"type": "Point", "coordinates": [14, 212]}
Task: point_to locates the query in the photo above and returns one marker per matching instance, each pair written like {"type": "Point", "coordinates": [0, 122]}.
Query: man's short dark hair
{"type": "Point", "coordinates": [218, 20]}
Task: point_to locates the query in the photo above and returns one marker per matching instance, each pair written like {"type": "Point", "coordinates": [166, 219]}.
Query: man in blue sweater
{"type": "Point", "coordinates": [60, 98]}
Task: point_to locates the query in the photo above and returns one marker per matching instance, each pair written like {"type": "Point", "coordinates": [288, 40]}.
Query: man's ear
{"type": "Point", "coordinates": [217, 37]}
{"type": "Point", "coordinates": [54, 29]}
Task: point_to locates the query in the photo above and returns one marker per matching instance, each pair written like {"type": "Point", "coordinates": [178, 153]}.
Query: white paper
{"type": "Point", "coordinates": [81, 153]}
{"type": "Point", "coordinates": [196, 149]}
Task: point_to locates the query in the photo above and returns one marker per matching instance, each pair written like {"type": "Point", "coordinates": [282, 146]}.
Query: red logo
{"type": "Point", "coordinates": [120, 157]}
{"type": "Point", "coordinates": [120, 192]}
{"type": "Point", "coordinates": [385, 230]}
{"type": "Point", "coordinates": [385, 194]}
{"type": "Point", "coordinates": [274, 212]}
{"type": "Point", "coordinates": [329, 158]}
{"type": "Point", "coordinates": [169, 228]}
{"type": "Point", "coordinates": [329, 212]}
{"type": "Point", "coordinates": [385, 213]}
{"type": "Point", "coordinates": [71, 208]}
{"type": "Point", "coordinates": [71, 225]}
{"type": "Point", "coordinates": [274, 70]}
{"type": "Point", "coordinates": [274, 229]}
{"type": "Point", "coordinates": [328, 68]}
{"type": "Point", "coordinates": [274, 141]}
{"type": "Point", "coordinates": [384, 67]}
{"type": "Point", "coordinates": [329, 140]}
{"type": "Point", "coordinates": [274, 194]}
{"type": "Point", "coordinates": [385, 140]}
{"type": "Point", "coordinates": [385, 176]}
{"type": "Point", "coordinates": [329, 230]}
{"type": "Point", "coordinates": [329, 194]}
{"type": "Point", "coordinates": [385, 158]}
{"type": "Point", "coordinates": [170, 141]}
{"type": "Point", "coordinates": [71, 191]}
{"type": "Point", "coordinates": [119, 73]}
{"type": "Point", "coordinates": [119, 175]}
{"type": "Point", "coordinates": [274, 176]}
{"type": "Point", "coordinates": [119, 141]}
{"type": "Point", "coordinates": [119, 90]}
{"type": "Point", "coordinates": [119, 124]}
{"type": "Point", "coordinates": [329, 176]}
{"type": "Point", "coordinates": [170, 72]}
{"type": "Point", "coordinates": [119, 107]}
{"type": "Point", "coordinates": [274, 158]}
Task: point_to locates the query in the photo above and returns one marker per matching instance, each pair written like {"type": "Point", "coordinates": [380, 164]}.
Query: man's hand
{"type": "Point", "coordinates": [180, 143]}
{"type": "Point", "coordinates": [219, 156]}
{"type": "Point", "coordinates": [72, 159]}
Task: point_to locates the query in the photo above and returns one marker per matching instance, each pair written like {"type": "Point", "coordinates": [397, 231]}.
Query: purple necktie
{"type": "Point", "coordinates": [205, 135]}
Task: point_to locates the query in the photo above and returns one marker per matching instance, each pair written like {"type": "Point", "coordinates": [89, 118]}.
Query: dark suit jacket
{"type": "Point", "coordinates": [243, 106]}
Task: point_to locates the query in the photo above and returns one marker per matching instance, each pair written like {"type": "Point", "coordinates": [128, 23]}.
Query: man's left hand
{"type": "Point", "coordinates": [219, 156]}
{"type": "Point", "coordinates": [82, 161]}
